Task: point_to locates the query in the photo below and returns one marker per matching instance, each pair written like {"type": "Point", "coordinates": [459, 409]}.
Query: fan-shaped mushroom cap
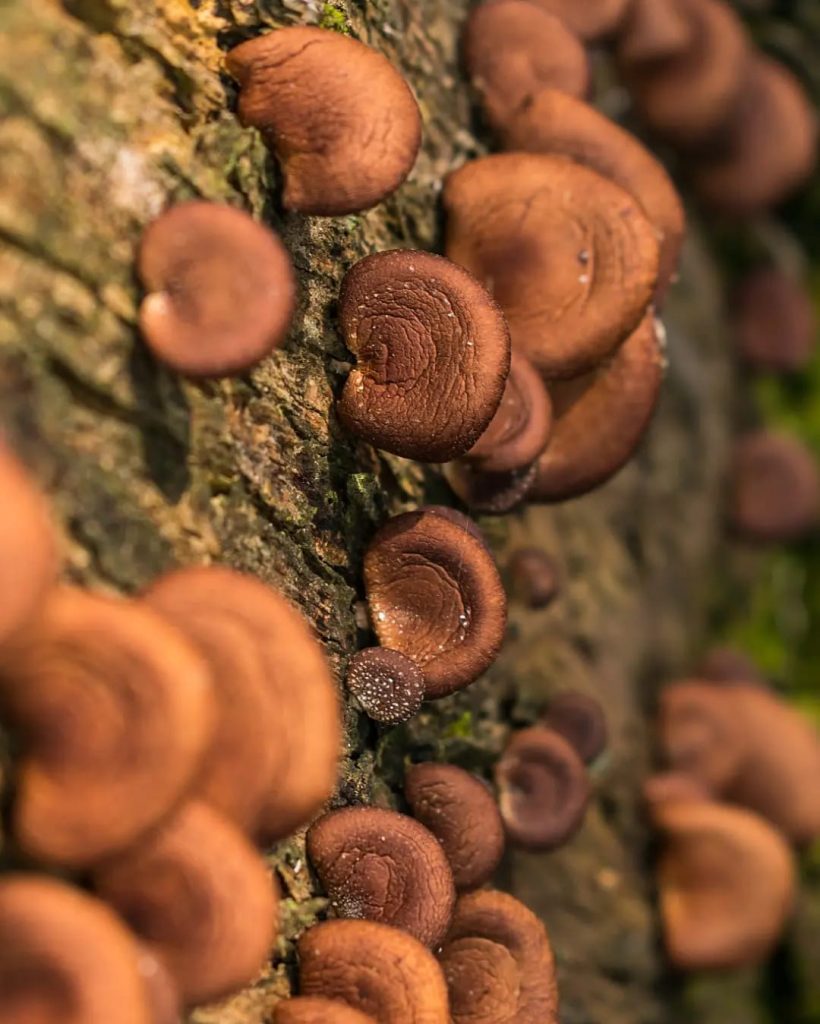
{"type": "Point", "coordinates": [569, 255]}
{"type": "Point", "coordinates": [200, 897]}
{"type": "Point", "coordinates": [728, 665]}
{"type": "Point", "coordinates": [432, 350]}
{"type": "Point", "coordinates": [600, 418]}
{"type": "Point", "coordinates": [556, 123]}
{"type": "Point", "coordinates": [387, 684]}
{"type": "Point", "coordinates": [115, 711]}
{"type": "Point", "coordinates": [774, 321]}
{"type": "Point", "coordinates": [65, 958]}
{"type": "Point", "coordinates": [435, 595]}
{"type": "Point", "coordinates": [534, 577]}
{"type": "Point", "coordinates": [374, 968]}
{"type": "Point", "coordinates": [727, 884]}
{"type": "Point", "coordinates": [490, 493]}
{"type": "Point", "coordinates": [279, 680]}
{"type": "Point", "coordinates": [461, 813]}
{"type": "Point", "coordinates": [543, 789]}
{"type": "Point", "coordinates": [580, 719]}
{"type": "Point", "coordinates": [315, 1010]}
{"type": "Point", "coordinates": [498, 963]}
{"type": "Point", "coordinates": [383, 866]}
{"type": "Point", "coordinates": [337, 114]}
{"type": "Point", "coordinates": [653, 30]}
{"type": "Point", "coordinates": [592, 19]}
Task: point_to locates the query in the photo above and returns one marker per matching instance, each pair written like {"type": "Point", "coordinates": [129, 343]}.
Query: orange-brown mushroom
{"type": "Point", "coordinates": [666, 786]}
{"type": "Point", "coordinates": [653, 30]}
{"type": "Point", "coordinates": [590, 20]}
{"type": "Point", "coordinates": [383, 866]}
{"type": "Point", "coordinates": [388, 685]}
{"type": "Point", "coordinates": [534, 577]}
{"type": "Point", "coordinates": [774, 321]}
{"type": "Point", "coordinates": [339, 117]}
{"type": "Point", "coordinates": [459, 518]}
{"type": "Point", "coordinates": [490, 493]}
{"type": "Point", "coordinates": [580, 719]}
{"type": "Point", "coordinates": [161, 989]}
{"type": "Point", "coordinates": [316, 1010]}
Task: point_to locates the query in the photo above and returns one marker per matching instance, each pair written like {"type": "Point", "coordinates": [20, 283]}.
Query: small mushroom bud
{"type": "Point", "coordinates": [774, 321]}
{"type": "Point", "coordinates": [534, 578]}
{"type": "Point", "coordinates": [580, 719]}
{"type": "Point", "coordinates": [435, 595]}
{"type": "Point", "coordinates": [383, 866]}
{"type": "Point", "coordinates": [337, 115]}
{"type": "Point", "coordinates": [727, 665]}
{"type": "Point", "coordinates": [315, 1010]}
{"type": "Point", "coordinates": [591, 20]}
{"type": "Point", "coordinates": [387, 684]}
{"type": "Point", "coordinates": [569, 255]}
{"type": "Point", "coordinates": [491, 493]}
{"type": "Point", "coordinates": [221, 290]}
{"type": "Point", "coordinates": [461, 813]}
{"type": "Point", "coordinates": [381, 971]}
{"type": "Point", "coordinates": [653, 30]}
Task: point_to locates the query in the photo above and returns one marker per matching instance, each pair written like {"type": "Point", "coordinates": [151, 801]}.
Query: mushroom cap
{"type": "Point", "coordinates": [379, 970]}
{"type": "Point", "coordinates": [556, 123]}
{"type": "Point", "coordinates": [534, 577]}
{"type": "Point", "coordinates": [459, 518]}
{"type": "Point", "coordinates": [591, 20]}
{"type": "Point", "coordinates": [201, 899]}
{"type": "Point", "coordinates": [315, 1010]}
{"type": "Point", "coordinates": [432, 355]}
{"type": "Point", "coordinates": [569, 255]}
{"type": "Point", "coordinates": [774, 321]}
{"type": "Point", "coordinates": [338, 116]}
{"type": "Point", "coordinates": [435, 595]}
{"type": "Point", "coordinates": [65, 957]}
{"type": "Point", "coordinates": [653, 30]}
{"type": "Point", "coordinates": [383, 866]}
{"type": "Point", "coordinates": [729, 665]}
{"type": "Point", "coordinates": [115, 711]}
{"type": "Point", "coordinates": [221, 289]}
{"type": "Point", "coordinates": [580, 719]}
{"type": "Point", "coordinates": [491, 493]}
{"type": "Point", "coordinates": [600, 418]}
{"type": "Point", "coordinates": [666, 786]}
{"type": "Point", "coordinates": [387, 684]}
{"type": "Point", "coordinates": [498, 963]}
{"type": "Point", "coordinates": [298, 686]}
{"type": "Point", "coordinates": [161, 988]}
{"type": "Point", "coordinates": [460, 811]}
{"type": "Point", "coordinates": [543, 789]}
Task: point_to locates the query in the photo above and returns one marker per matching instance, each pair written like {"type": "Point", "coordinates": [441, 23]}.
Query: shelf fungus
{"type": "Point", "coordinates": [435, 595]}
{"type": "Point", "coordinates": [338, 116]}
{"type": "Point", "coordinates": [316, 1010]}
{"type": "Point", "coordinates": [653, 30]}
{"type": "Point", "coordinates": [533, 577]}
{"type": "Point", "coordinates": [388, 685]}
{"type": "Point", "coordinates": [773, 321]}
{"type": "Point", "coordinates": [591, 20]}
{"type": "Point", "coordinates": [383, 866]}
{"type": "Point", "coordinates": [432, 355]}
{"type": "Point", "coordinates": [220, 290]}
{"type": "Point", "coordinates": [570, 256]}
{"type": "Point", "coordinates": [580, 719]}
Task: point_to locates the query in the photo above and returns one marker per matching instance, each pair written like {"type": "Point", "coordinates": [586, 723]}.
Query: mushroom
{"type": "Point", "coordinates": [459, 518]}
{"type": "Point", "coordinates": [432, 350]}
{"type": "Point", "coordinates": [498, 963]}
{"type": "Point", "coordinates": [316, 1010]}
{"type": "Point", "coordinates": [569, 255]}
{"type": "Point", "coordinates": [534, 577]}
{"type": "Point", "coordinates": [461, 813]}
{"type": "Point", "coordinates": [653, 30]}
{"type": "Point", "coordinates": [600, 418]}
{"type": "Point", "coordinates": [65, 957]}
{"type": "Point", "coordinates": [383, 866]}
{"type": "Point", "coordinates": [114, 711]}
{"type": "Point", "coordinates": [543, 789]}
{"type": "Point", "coordinates": [666, 786]}
{"type": "Point", "coordinates": [338, 116]}
{"type": "Point", "coordinates": [490, 493]}
{"type": "Point", "coordinates": [580, 719]}
{"type": "Point", "coordinates": [162, 991]}
{"type": "Point", "coordinates": [435, 595]}
{"type": "Point", "coordinates": [728, 665]}
{"type": "Point", "coordinates": [379, 970]}
{"type": "Point", "coordinates": [591, 20]}
{"type": "Point", "coordinates": [387, 684]}
{"type": "Point", "coordinates": [221, 290]}
{"type": "Point", "coordinates": [264, 769]}
{"type": "Point", "coordinates": [201, 899]}
{"type": "Point", "coordinates": [774, 322]}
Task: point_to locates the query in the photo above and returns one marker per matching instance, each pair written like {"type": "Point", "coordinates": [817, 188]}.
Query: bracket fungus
{"type": "Point", "coordinates": [435, 595]}
{"type": "Point", "coordinates": [534, 577]}
{"type": "Point", "coordinates": [221, 290]}
{"type": "Point", "coordinates": [316, 1010]}
{"type": "Point", "coordinates": [462, 814]}
{"type": "Point", "coordinates": [387, 684]}
{"type": "Point", "coordinates": [580, 719]}
{"type": "Point", "coordinates": [774, 321]}
{"type": "Point", "coordinates": [653, 30]}
{"type": "Point", "coordinates": [590, 20]}
{"type": "Point", "coordinates": [383, 866]}
{"type": "Point", "coordinates": [338, 116]}
{"type": "Point", "coordinates": [570, 256]}
{"type": "Point", "coordinates": [432, 355]}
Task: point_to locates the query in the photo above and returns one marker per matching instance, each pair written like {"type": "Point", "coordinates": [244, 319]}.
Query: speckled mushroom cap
{"type": "Point", "coordinates": [379, 970]}
{"type": "Point", "coordinates": [580, 719]}
{"type": "Point", "coordinates": [316, 1010]}
{"type": "Point", "coordinates": [383, 866]}
{"type": "Point", "coordinates": [498, 963]}
{"type": "Point", "coordinates": [490, 493]}
{"type": "Point", "coordinates": [387, 684]}
{"type": "Point", "coordinates": [569, 255]}
{"type": "Point", "coordinates": [337, 114]}
{"type": "Point", "coordinates": [773, 321]}
{"type": "Point", "coordinates": [600, 418]}
{"type": "Point", "coordinates": [435, 595]}
{"type": "Point", "coordinates": [653, 30]}
{"type": "Point", "coordinates": [432, 355]}
{"type": "Point", "coordinates": [221, 289]}
{"type": "Point", "coordinates": [533, 577]}
{"type": "Point", "coordinates": [65, 957]}
{"type": "Point", "coordinates": [590, 20]}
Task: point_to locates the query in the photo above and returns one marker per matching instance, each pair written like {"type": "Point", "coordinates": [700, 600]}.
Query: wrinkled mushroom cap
{"type": "Point", "coordinates": [653, 30]}
{"type": "Point", "coordinates": [774, 321]}
{"type": "Point", "coordinates": [580, 719]}
{"type": "Point", "coordinates": [590, 19]}
{"type": "Point", "coordinates": [315, 1010]}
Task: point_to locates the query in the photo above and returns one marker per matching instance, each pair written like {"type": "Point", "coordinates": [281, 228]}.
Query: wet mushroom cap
{"type": "Point", "coordinates": [432, 355]}
{"type": "Point", "coordinates": [590, 20]}
{"type": "Point", "coordinates": [387, 684]}
{"type": "Point", "coordinates": [534, 577]}
{"type": "Point", "coordinates": [774, 321]}
{"type": "Point", "coordinates": [653, 30]}
{"type": "Point", "coordinates": [569, 255]}
{"type": "Point", "coordinates": [221, 290]}
{"type": "Point", "coordinates": [580, 719]}
{"type": "Point", "coordinates": [459, 518]}
{"type": "Point", "coordinates": [490, 493]}
{"type": "Point", "coordinates": [315, 1010]}
{"type": "Point", "coordinates": [337, 114]}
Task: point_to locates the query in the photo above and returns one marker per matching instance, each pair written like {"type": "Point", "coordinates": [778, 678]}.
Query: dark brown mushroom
{"type": "Point", "coordinates": [729, 665]}
{"type": "Point", "coordinates": [221, 290]}
{"type": "Point", "coordinates": [580, 719]}
{"type": "Point", "coordinates": [460, 811]}
{"type": "Point", "coordinates": [490, 493]}
{"type": "Point", "coordinates": [435, 595]}
{"type": "Point", "coordinates": [653, 30]}
{"type": "Point", "coordinates": [337, 114]}
{"type": "Point", "coordinates": [569, 255]}
{"type": "Point", "coordinates": [383, 866]}
{"type": "Point", "coordinates": [459, 518]}
{"type": "Point", "coordinates": [774, 321]}
{"type": "Point", "coordinates": [534, 577]}
{"type": "Point", "coordinates": [432, 355]}
{"type": "Point", "coordinates": [387, 684]}
{"type": "Point", "coordinates": [590, 20]}
{"type": "Point", "coordinates": [316, 1010]}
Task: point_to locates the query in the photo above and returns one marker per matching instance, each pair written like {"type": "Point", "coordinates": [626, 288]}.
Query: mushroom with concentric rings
{"type": "Point", "coordinates": [580, 719]}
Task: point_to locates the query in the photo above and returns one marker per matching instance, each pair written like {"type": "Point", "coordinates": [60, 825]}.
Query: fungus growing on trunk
{"type": "Point", "coordinates": [580, 719]}
{"type": "Point", "coordinates": [388, 685]}
{"type": "Point", "coordinates": [590, 20]}
{"type": "Point", "coordinates": [491, 493]}
{"type": "Point", "coordinates": [774, 321]}
{"type": "Point", "coordinates": [316, 1010]}
{"type": "Point", "coordinates": [653, 30]}
{"type": "Point", "coordinates": [533, 577]}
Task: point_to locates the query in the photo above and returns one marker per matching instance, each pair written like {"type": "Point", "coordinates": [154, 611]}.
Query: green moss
{"type": "Point", "coordinates": [334, 19]}
{"type": "Point", "coordinates": [461, 728]}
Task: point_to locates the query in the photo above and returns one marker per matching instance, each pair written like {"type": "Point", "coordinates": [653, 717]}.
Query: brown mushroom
{"type": "Point", "coordinates": [432, 351]}
{"type": "Point", "coordinates": [221, 290]}
{"type": "Point", "coordinates": [534, 577]}
{"type": "Point", "coordinates": [460, 811]}
{"type": "Point", "coordinates": [435, 595]}
{"type": "Point", "coordinates": [316, 1010]}
{"type": "Point", "coordinates": [774, 321]}
{"type": "Point", "coordinates": [387, 684]}
{"type": "Point", "coordinates": [580, 719]}
{"type": "Point", "coordinates": [653, 30]}
{"type": "Point", "coordinates": [590, 20]}
{"type": "Point", "coordinates": [671, 785]}
{"type": "Point", "coordinates": [379, 970]}
{"type": "Point", "coordinates": [161, 988]}
{"type": "Point", "coordinates": [569, 255]}
{"type": "Point", "coordinates": [489, 493]}
{"type": "Point", "coordinates": [200, 898]}
{"type": "Point", "coordinates": [459, 518]}
{"type": "Point", "coordinates": [383, 866]}
{"type": "Point", "coordinates": [543, 789]}
{"type": "Point", "coordinates": [728, 665]}
{"type": "Point", "coordinates": [337, 115]}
